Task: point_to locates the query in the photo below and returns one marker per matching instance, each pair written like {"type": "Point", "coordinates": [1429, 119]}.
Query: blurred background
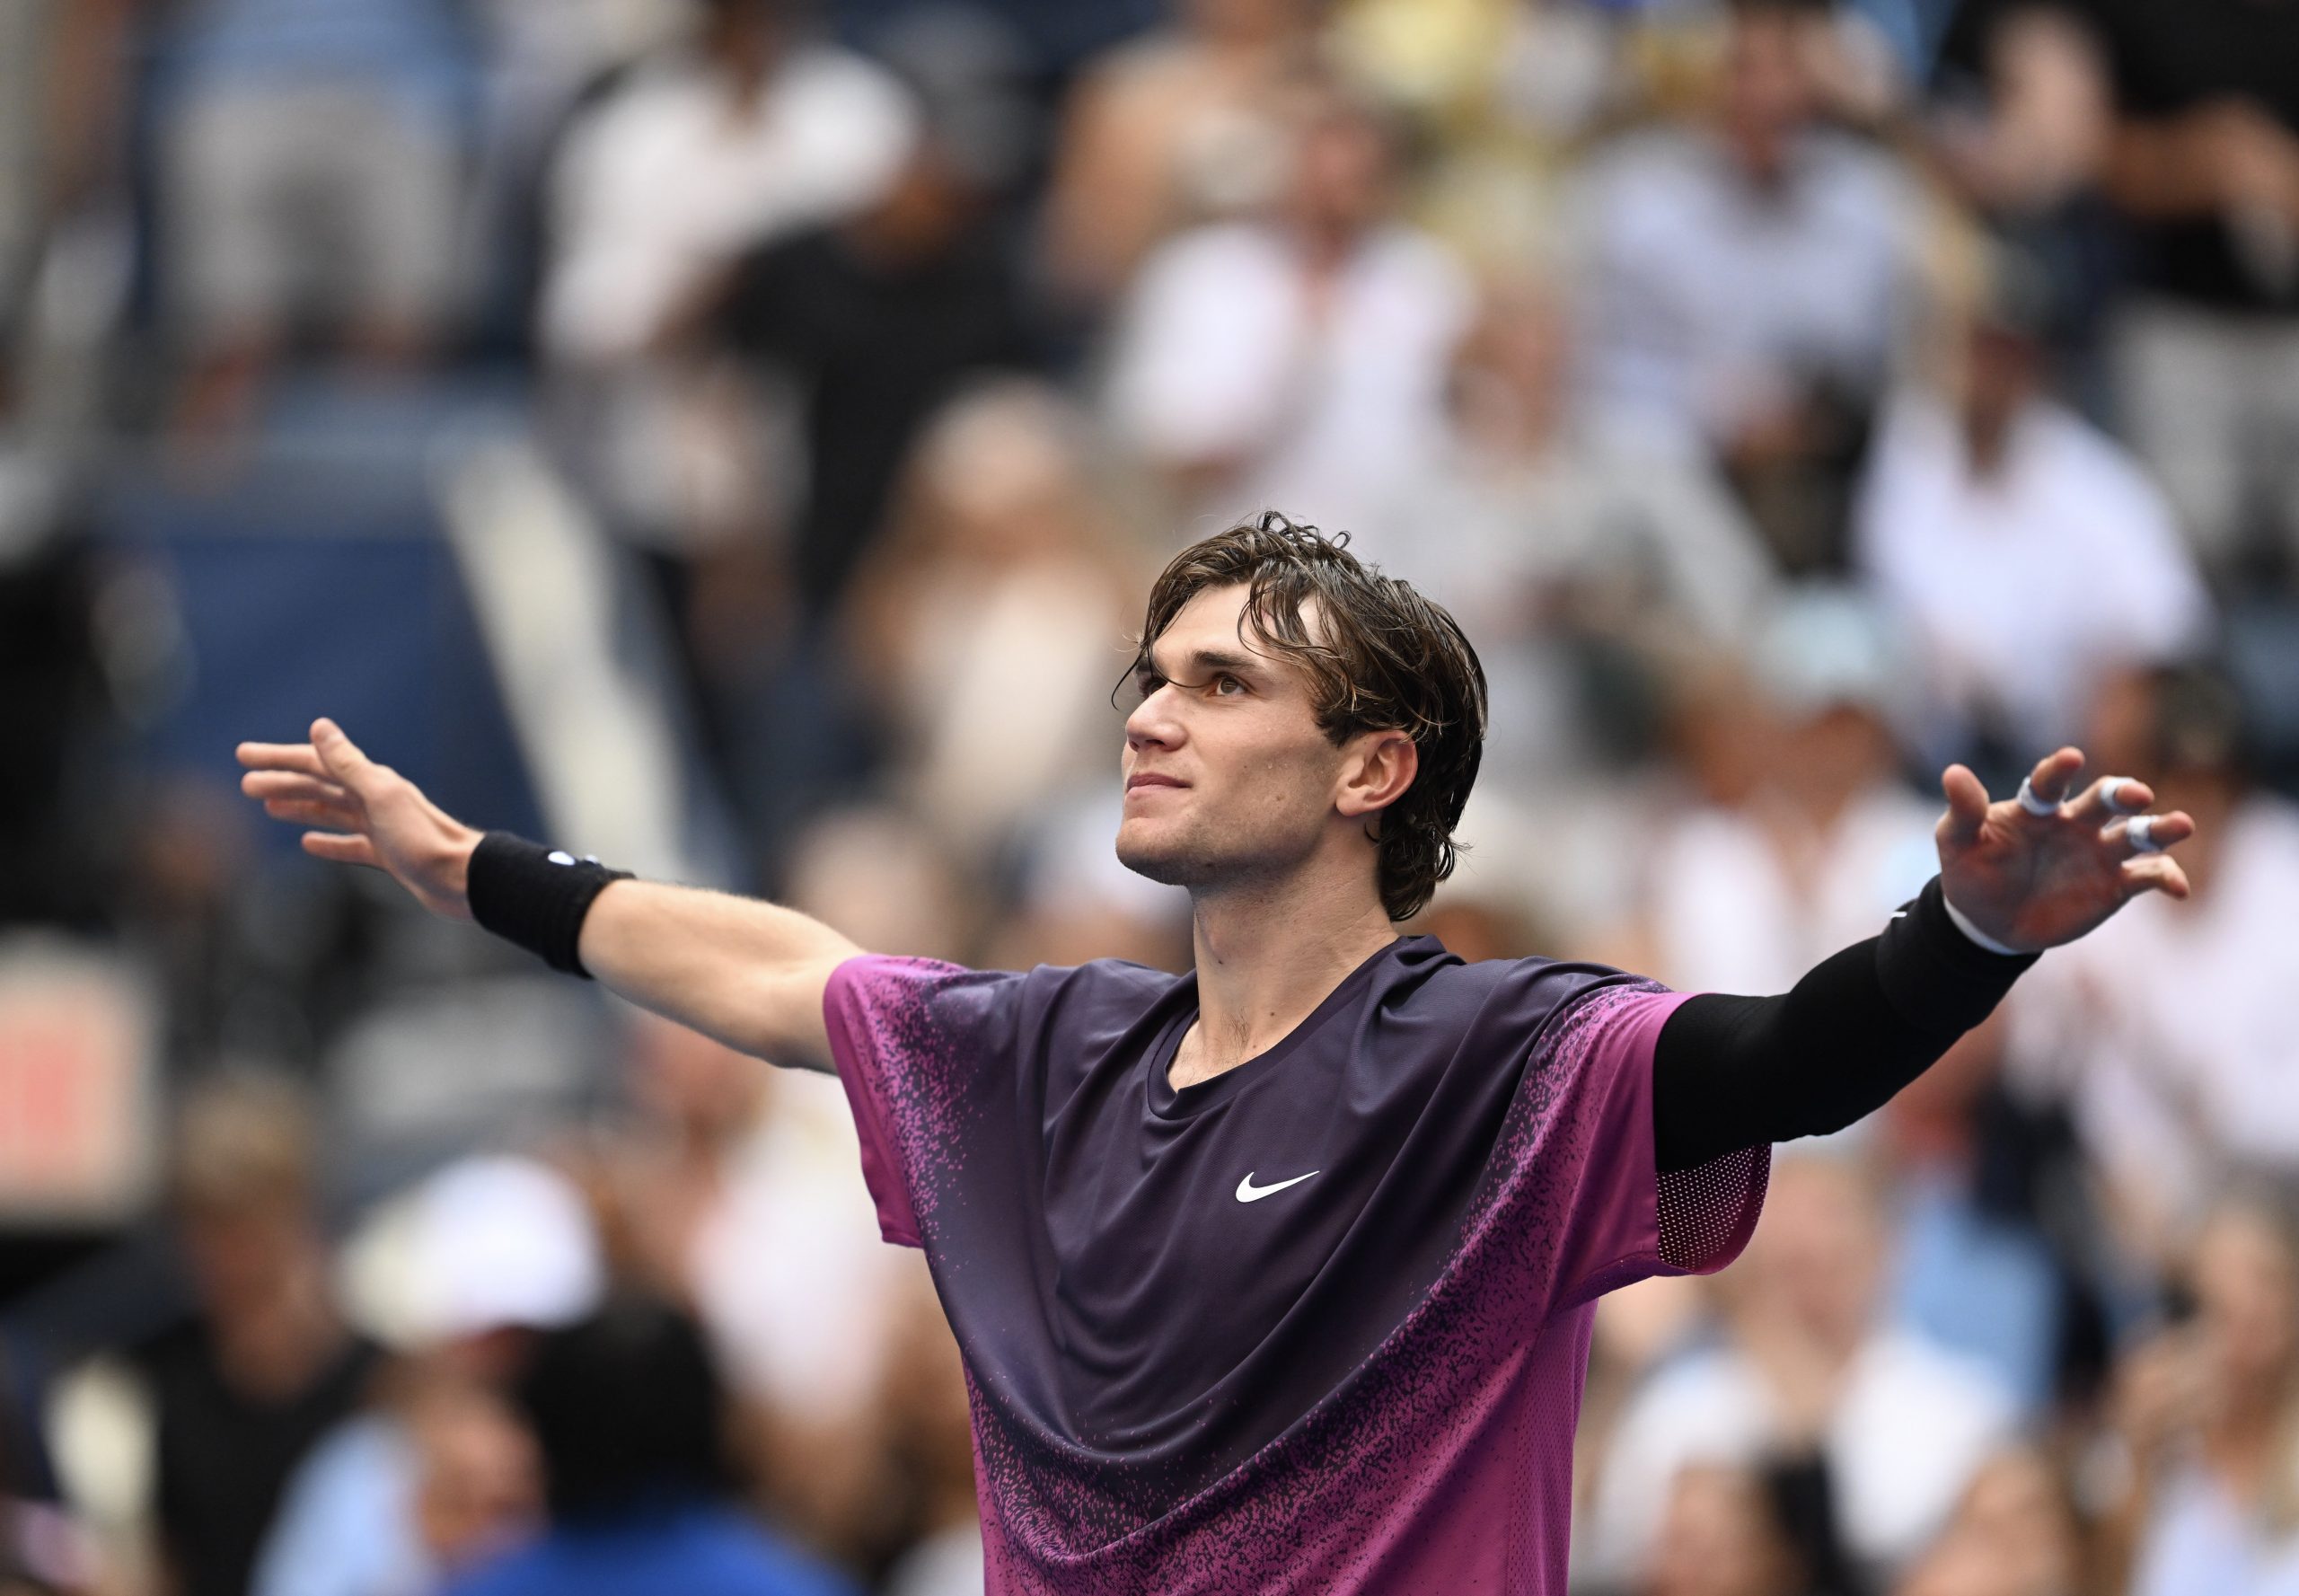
{"type": "Point", "coordinates": [735, 438]}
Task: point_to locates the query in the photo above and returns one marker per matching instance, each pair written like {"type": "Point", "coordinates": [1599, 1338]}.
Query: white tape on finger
{"type": "Point", "coordinates": [2031, 803]}
{"type": "Point", "coordinates": [2139, 831]}
{"type": "Point", "coordinates": [2111, 795]}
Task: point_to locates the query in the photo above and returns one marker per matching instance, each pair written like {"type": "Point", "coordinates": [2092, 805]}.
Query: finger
{"type": "Point", "coordinates": [289, 784]}
{"type": "Point", "coordinates": [342, 756]}
{"type": "Point", "coordinates": [2162, 831]}
{"type": "Point", "coordinates": [1967, 805]}
{"type": "Point", "coordinates": [342, 850]}
{"type": "Point", "coordinates": [2111, 796]}
{"type": "Point", "coordinates": [281, 757]}
{"type": "Point", "coordinates": [332, 816]}
{"type": "Point", "coordinates": [2155, 872]}
{"type": "Point", "coordinates": [2055, 774]}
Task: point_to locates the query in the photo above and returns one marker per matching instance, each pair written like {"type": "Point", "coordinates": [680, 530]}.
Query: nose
{"type": "Point", "coordinates": [1152, 724]}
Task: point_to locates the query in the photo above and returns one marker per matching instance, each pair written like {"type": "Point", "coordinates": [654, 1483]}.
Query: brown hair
{"type": "Point", "coordinates": [1387, 658]}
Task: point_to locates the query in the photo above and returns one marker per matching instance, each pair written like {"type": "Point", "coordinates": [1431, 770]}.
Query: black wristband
{"type": "Point", "coordinates": [1941, 981]}
{"type": "Point", "coordinates": [535, 896]}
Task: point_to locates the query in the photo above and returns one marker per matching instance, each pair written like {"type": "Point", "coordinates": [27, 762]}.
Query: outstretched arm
{"type": "Point", "coordinates": [747, 973]}
{"type": "Point", "coordinates": [2025, 874]}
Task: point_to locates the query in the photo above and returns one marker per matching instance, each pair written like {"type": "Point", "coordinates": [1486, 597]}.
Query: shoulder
{"type": "Point", "coordinates": [1085, 997]}
{"type": "Point", "coordinates": [1707, 1394]}
{"type": "Point", "coordinates": [1082, 1000]}
{"type": "Point", "coordinates": [1102, 978]}
{"type": "Point", "coordinates": [1403, 248]}
{"type": "Point", "coordinates": [1205, 255]}
{"type": "Point", "coordinates": [343, 1515]}
{"type": "Point", "coordinates": [1109, 980]}
{"type": "Point", "coordinates": [1426, 978]}
{"type": "Point", "coordinates": [2264, 832]}
{"type": "Point", "coordinates": [2089, 462]}
{"type": "Point", "coordinates": [650, 95]}
{"type": "Point", "coordinates": [1857, 189]}
{"type": "Point", "coordinates": [828, 78]}
{"type": "Point", "coordinates": [1856, 163]}
{"type": "Point", "coordinates": [1916, 422]}
{"type": "Point", "coordinates": [1652, 179]}
{"type": "Point", "coordinates": [1661, 156]}
{"type": "Point", "coordinates": [1910, 1386]}
{"type": "Point", "coordinates": [1422, 269]}
{"type": "Point", "coordinates": [366, 1460]}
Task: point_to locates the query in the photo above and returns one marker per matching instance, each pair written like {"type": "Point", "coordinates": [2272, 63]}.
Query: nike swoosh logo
{"type": "Point", "coordinates": [1247, 1192]}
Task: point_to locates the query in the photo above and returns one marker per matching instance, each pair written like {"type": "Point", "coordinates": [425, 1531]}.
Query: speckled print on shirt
{"type": "Point", "coordinates": [1438, 1459]}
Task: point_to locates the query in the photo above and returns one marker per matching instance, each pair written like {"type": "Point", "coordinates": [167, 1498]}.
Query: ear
{"type": "Point", "coordinates": [1380, 766]}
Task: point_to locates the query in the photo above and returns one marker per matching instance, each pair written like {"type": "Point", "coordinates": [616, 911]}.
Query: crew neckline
{"type": "Point", "coordinates": [1166, 1102]}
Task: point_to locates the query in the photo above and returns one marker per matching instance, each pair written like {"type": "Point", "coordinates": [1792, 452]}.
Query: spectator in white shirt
{"type": "Point", "coordinates": [1533, 536]}
{"type": "Point", "coordinates": [2027, 551]}
{"type": "Point", "coordinates": [700, 156]}
{"type": "Point", "coordinates": [2172, 1077]}
{"type": "Point", "coordinates": [751, 133]}
{"type": "Point", "coordinates": [1743, 896]}
{"type": "Point", "coordinates": [1179, 126]}
{"type": "Point", "coordinates": [1300, 359]}
{"type": "Point", "coordinates": [1805, 1369]}
{"type": "Point", "coordinates": [2206, 1414]}
{"type": "Point", "coordinates": [1741, 275]}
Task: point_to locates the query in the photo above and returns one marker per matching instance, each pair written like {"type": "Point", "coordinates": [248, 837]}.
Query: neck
{"type": "Point", "coordinates": [1987, 442]}
{"type": "Point", "coordinates": [1326, 244]}
{"type": "Point", "coordinates": [1267, 955]}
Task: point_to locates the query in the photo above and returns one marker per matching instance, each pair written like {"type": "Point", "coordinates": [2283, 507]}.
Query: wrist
{"type": "Point", "coordinates": [535, 896]}
{"type": "Point", "coordinates": [1963, 922]}
{"type": "Point", "coordinates": [1942, 981]}
{"type": "Point", "coordinates": [454, 867]}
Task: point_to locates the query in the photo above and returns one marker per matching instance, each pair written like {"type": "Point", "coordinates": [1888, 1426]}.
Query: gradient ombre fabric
{"type": "Point", "coordinates": [1316, 1325]}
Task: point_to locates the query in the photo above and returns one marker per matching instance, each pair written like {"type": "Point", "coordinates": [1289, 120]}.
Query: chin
{"type": "Point", "coordinates": [1166, 860]}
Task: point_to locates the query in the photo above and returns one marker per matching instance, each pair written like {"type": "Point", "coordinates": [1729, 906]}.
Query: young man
{"type": "Point", "coordinates": [1279, 1275]}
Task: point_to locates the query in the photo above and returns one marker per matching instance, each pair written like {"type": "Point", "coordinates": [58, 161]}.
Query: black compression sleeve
{"type": "Point", "coordinates": [1729, 1072]}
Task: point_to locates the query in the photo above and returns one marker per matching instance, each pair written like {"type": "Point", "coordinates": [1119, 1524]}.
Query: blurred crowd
{"type": "Point", "coordinates": [793, 398]}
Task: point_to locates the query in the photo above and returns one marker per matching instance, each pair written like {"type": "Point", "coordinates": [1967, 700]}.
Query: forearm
{"type": "Point", "coordinates": [1739, 1071]}
{"type": "Point", "coordinates": [2204, 162]}
{"type": "Point", "coordinates": [747, 973]}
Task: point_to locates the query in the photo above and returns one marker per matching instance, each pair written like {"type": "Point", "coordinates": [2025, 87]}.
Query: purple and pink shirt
{"type": "Point", "coordinates": [1318, 1324]}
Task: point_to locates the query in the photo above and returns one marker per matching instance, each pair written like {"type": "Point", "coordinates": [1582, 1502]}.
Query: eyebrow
{"type": "Point", "coordinates": [1207, 661]}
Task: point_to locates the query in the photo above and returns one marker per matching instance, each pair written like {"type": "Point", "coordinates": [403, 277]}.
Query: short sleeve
{"type": "Point", "coordinates": [1621, 1220]}
{"type": "Point", "coordinates": [922, 1047]}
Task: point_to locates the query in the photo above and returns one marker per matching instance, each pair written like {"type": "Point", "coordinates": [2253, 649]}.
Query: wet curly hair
{"type": "Point", "coordinates": [1380, 656]}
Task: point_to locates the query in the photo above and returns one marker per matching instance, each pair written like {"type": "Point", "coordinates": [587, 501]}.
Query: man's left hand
{"type": "Point", "coordinates": [2031, 881]}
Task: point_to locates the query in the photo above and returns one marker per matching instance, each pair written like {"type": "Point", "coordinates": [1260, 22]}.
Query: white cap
{"type": "Point", "coordinates": [487, 1243]}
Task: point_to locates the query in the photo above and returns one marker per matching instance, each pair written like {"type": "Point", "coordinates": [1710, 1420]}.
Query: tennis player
{"type": "Point", "coordinates": [1278, 1276]}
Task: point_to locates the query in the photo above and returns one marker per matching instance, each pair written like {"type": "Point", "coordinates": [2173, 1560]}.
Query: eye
{"type": "Point", "coordinates": [1222, 683]}
{"type": "Point", "coordinates": [1146, 682]}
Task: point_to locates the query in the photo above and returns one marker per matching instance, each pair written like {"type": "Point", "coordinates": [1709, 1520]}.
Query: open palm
{"type": "Point", "coordinates": [363, 813]}
{"type": "Point", "coordinates": [2032, 881]}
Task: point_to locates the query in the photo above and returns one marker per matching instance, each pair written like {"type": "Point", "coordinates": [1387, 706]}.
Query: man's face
{"type": "Point", "coordinates": [1227, 778]}
{"type": "Point", "coordinates": [1344, 175]}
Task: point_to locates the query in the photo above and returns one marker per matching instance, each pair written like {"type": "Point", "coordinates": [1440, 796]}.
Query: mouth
{"type": "Point", "coordinates": [1136, 783]}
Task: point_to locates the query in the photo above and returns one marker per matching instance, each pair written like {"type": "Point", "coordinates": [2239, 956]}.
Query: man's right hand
{"type": "Point", "coordinates": [749, 974]}
{"type": "Point", "coordinates": [367, 813]}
